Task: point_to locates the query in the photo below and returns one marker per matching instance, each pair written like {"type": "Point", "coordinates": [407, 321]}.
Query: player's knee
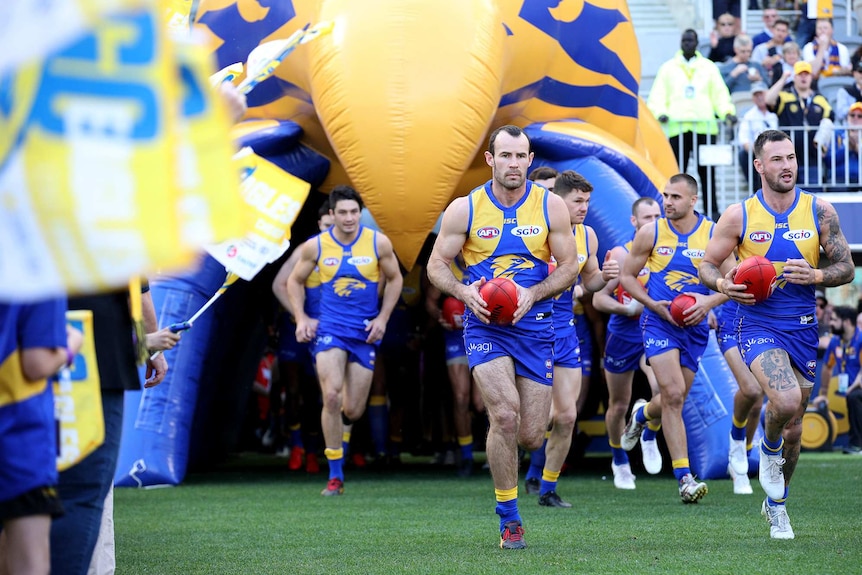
{"type": "Point", "coordinates": [505, 420]}
{"type": "Point", "coordinates": [332, 400]}
{"type": "Point", "coordinates": [565, 419]}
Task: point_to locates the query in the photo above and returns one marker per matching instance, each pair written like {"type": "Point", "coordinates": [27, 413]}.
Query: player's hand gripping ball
{"type": "Point", "coordinates": [453, 312]}
{"type": "Point", "coordinates": [678, 306]}
{"type": "Point", "coordinates": [501, 295]}
{"type": "Point", "coordinates": [758, 275]}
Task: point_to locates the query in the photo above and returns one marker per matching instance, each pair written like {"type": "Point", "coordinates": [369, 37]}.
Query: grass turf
{"type": "Point", "coordinates": [255, 517]}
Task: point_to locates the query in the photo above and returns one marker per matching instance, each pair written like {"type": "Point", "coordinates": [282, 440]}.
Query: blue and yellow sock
{"type": "Point", "coordinates": [681, 468]}
{"type": "Point", "coordinates": [737, 431]}
{"type": "Point", "coordinates": [772, 447]}
{"type": "Point", "coordinates": [549, 481]}
{"type": "Point", "coordinates": [537, 460]}
{"type": "Point", "coordinates": [652, 428]}
{"type": "Point", "coordinates": [620, 455]}
{"type": "Point", "coordinates": [335, 458]}
{"type": "Point", "coordinates": [641, 414]}
{"type": "Point", "coordinates": [773, 502]}
{"type": "Point", "coordinates": [345, 441]}
{"type": "Point", "coordinates": [507, 505]}
{"type": "Point", "coordinates": [466, 444]}
{"type": "Point", "coordinates": [378, 421]}
{"type": "Point", "coordinates": [295, 432]}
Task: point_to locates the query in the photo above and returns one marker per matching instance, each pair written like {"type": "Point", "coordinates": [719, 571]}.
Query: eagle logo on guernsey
{"type": "Point", "coordinates": [509, 265]}
{"type": "Point", "coordinates": [677, 280]}
{"type": "Point", "coordinates": [344, 287]}
{"type": "Point", "coordinates": [487, 233]}
{"type": "Point", "coordinates": [760, 236]}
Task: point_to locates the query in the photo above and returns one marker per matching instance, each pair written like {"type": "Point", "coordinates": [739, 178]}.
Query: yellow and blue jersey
{"type": "Point", "coordinates": [312, 294]}
{"type": "Point", "coordinates": [564, 303]}
{"type": "Point", "coordinates": [621, 325]}
{"type": "Point", "coordinates": [794, 234]}
{"type": "Point", "coordinates": [510, 242]}
{"type": "Point", "coordinates": [841, 358]}
{"type": "Point", "coordinates": [28, 438]}
{"type": "Point", "coordinates": [675, 258]}
{"type": "Point", "coordinates": [349, 277]}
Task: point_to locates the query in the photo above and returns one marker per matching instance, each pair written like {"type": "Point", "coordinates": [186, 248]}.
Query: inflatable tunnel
{"type": "Point", "coordinates": [388, 103]}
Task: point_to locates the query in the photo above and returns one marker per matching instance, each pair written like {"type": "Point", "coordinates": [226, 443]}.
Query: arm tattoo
{"type": "Point", "coordinates": [709, 275]}
{"type": "Point", "coordinates": [841, 270]}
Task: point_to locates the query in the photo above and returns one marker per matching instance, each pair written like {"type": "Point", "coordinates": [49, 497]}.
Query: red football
{"type": "Point", "coordinates": [501, 295]}
{"type": "Point", "coordinates": [679, 304]}
{"type": "Point", "coordinates": [758, 275]}
{"type": "Point", "coordinates": [453, 312]}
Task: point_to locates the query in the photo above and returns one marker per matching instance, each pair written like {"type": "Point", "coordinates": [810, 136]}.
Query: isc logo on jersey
{"type": "Point", "coordinates": [694, 254]}
{"type": "Point", "coordinates": [330, 262]}
{"type": "Point", "coordinates": [760, 237]}
{"type": "Point", "coordinates": [359, 260]}
{"type": "Point", "coordinates": [798, 235]}
{"type": "Point", "coordinates": [526, 231]}
{"type": "Point", "coordinates": [487, 233]}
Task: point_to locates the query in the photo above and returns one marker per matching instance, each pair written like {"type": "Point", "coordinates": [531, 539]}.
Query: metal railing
{"type": "Point", "coordinates": [826, 167]}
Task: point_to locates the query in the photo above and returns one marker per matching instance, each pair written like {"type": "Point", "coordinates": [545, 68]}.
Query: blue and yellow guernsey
{"type": "Point", "coordinates": [349, 275]}
{"type": "Point", "coordinates": [312, 294]}
{"type": "Point", "coordinates": [795, 234]}
{"type": "Point", "coordinates": [564, 303]}
{"type": "Point", "coordinates": [623, 326]}
{"type": "Point", "coordinates": [28, 447]}
{"type": "Point", "coordinates": [675, 258]}
{"type": "Point", "coordinates": [510, 242]}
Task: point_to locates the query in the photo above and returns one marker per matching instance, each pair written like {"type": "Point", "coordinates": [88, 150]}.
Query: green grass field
{"type": "Point", "coordinates": [255, 517]}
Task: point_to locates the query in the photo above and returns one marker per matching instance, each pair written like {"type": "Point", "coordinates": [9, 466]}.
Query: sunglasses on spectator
{"type": "Point", "coordinates": [854, 115]}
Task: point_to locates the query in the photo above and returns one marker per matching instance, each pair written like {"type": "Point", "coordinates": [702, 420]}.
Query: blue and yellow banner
{"type": "Point", "coordinates": [114, 160]}
{"type": "Point", "coordinates": [78, 398]}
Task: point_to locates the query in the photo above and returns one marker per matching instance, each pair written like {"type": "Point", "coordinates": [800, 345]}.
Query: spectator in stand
{"type": "Point", "coordinates": [687, 95]}
{"type": "Point", "coordinates": [721, 38]}
{"type": "Point", "coordinates": [791, 54]}
{"type": "Point", "coordinates": [740, 72]}
{"type": "Point", "coordinates": [803, 107]}
{"type": "Point", "coordinates": [856, 57]}
{"type": "Point", "coordinates": [770, 54]}
{"type": "Point", "coordinates": [847, 145]}
{"type": "Point", "coordinates": [770, 19]}
{"type": "Point", "coordinates": [827, 56]}
{"type": "Point", "coordinates": [755, 120]}
{"type": "Point", "coordinates": [848, 95]}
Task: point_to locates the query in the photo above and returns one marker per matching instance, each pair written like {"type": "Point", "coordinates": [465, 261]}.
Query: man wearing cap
{"type": "Point", "coordinates": [740, 71]}
{"type": "Point", "coordinates": [803, 107]}
{"type": "Point", "coordinates": [849, 94]}
{"type": "Point", "coordinates": [755, 120]}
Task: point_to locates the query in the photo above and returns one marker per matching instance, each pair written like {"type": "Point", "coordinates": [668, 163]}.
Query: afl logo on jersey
{"type": "Point", "coordinates": [487, 233]}
{"type": "Point", "coordinates": [693, 254]}
{"type": "Point", "coordinates": [526, 231]}
{"type": "Point", "coordinates": [664, 251]}
{"type": "Point", "coordinates": [798, 235]}
{"type": "Point", "coordinates": [582, 258]}
{"type": "Point", "coordinates": [760, 237]}
{"type": "Point", "coordinates": [330, 262]}
{"type": "Point", "coordinates": [359, 260]}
